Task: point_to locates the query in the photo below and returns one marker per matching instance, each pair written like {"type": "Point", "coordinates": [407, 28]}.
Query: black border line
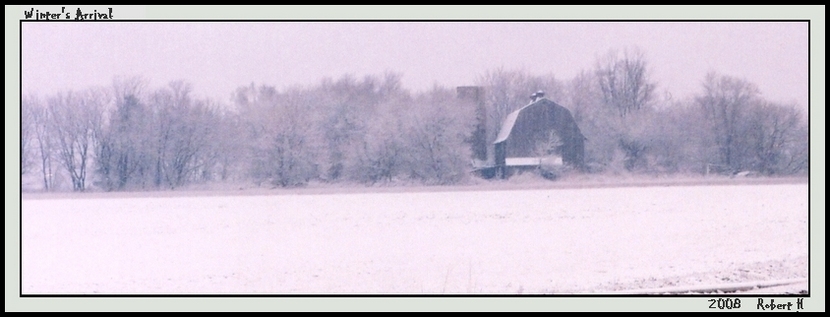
{"type": "Point", "coordinates": [415, 295]}
{"type": "Point", "coordinates": [404, 295]}
{"type": "Point", "coordinates": [454, 20]}
{"type": "Point", "coordinates": [809, 201]}
{"type": "Point", "coordinates": [20, 194]}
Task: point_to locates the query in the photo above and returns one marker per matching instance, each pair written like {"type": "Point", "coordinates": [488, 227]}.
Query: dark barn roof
{"type": "Point", "coordinates": [523, 129]}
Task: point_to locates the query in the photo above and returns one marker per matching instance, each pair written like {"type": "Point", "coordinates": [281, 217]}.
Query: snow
{"type": "Point", "coordinates": [495, 242]}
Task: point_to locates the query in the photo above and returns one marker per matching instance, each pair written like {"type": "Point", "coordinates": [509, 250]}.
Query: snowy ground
{"type": "Point", "coordinates": [499, 242]}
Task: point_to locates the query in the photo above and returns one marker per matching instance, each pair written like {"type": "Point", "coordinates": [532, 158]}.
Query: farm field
{"type": "Point", "coordinates": [532, 241]}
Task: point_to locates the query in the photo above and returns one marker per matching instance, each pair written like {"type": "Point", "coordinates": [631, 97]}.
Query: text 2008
{"type": "Point", "coordinates": [725, 303]}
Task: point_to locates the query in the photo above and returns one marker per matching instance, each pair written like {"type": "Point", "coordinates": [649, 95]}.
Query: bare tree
{"type": "Point", "coordinates": [624, 82]}
{"type": "Point", "coordinates": [626, 93]}
{"type": "Point", "coordinates": [344, 106]}
{"type": "Point", "coordinates": [284, 144]}
{"type": "Point", "coordinates": [181, 129]}
{"type": "Point", "coordinates": [584, 99]}
{"type": "Point", "coordinates": [128, 87]}
{"type": "Point", "coordinates": [378, 155]}
{"type": "Point", "coordinates": [772, 132]}
{"type": "Point", "coordinates": [437, 130]}
{"type": "Point", "coordinates": [726, 102]}
{"type": "Point", "coordinates": [341, 129]}
{"type": "Point", "coordinates": [36, 133]}
{"type": "Point", "coordinates": [123, 154]}
{"type": "Point", "coordinates": [796, 152]}
{"type": "Point", "coordinates": [224, 152]}
{"type": "Point", "coordinates": [41, 124]}
{"type": "Point", "coordinates": [678, 138]}
{"type": "Point", "coordinates": [26, 134]}
{"type": "Point", "coordinates": [75, 118]}
{"type": "Point", "coordinates": [353, 117]}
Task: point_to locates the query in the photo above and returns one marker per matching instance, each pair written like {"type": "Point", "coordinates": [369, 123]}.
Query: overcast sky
{"type": "Point", "coordinates": [218, 57]}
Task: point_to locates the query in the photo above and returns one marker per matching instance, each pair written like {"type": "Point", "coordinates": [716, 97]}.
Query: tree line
{"type": "Point", "coordinates": [372, 130]}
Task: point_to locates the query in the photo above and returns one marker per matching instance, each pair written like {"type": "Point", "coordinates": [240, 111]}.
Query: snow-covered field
{"type": "Point", "coordinates": [503, 242]}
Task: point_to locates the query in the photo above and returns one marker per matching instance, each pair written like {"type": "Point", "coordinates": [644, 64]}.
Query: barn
{"type": "Point", "coordinates": [540, 133]}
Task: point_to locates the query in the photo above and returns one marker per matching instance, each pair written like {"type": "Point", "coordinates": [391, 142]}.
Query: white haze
{"type": "Point", "coordinates": [219, 57]}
